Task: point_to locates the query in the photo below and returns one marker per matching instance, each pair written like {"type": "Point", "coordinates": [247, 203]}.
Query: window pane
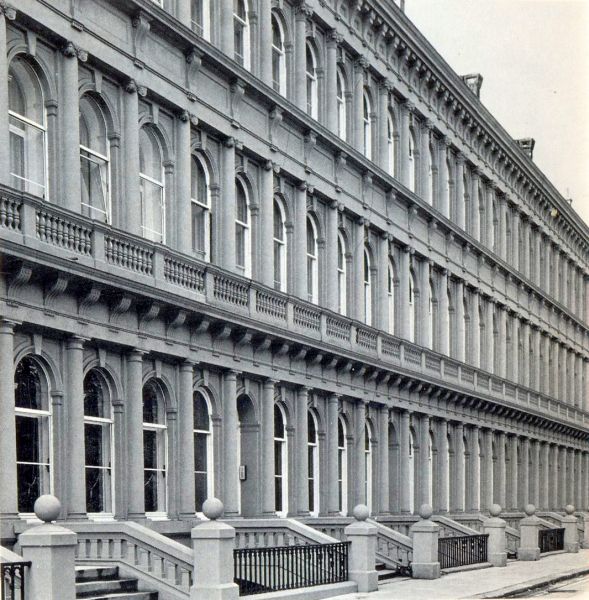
{"type": "Point", "coordinates": [200, 452]}
{"type": "Point", "coordinates": [201, 413]}
{"type": "Point", "coordinates": [198, 228]}
{"type": "Point", "coordinates": [94, 447]}
{"type": "Point", "coordinates": [150, 403]}
{"type": "Point", "coordinates": [200, 490]}
{"type": "Point", "coordinates": [94, 396]}
{"type": "Point", "coordinates": [95, 489]}
{"type": "Point", "coordinates": [278, 423]}
{"type": "Point", "coordinates": [150, 157]}
{"type": "Point", "coordinates": [27, 157]}
{"type": "Point", "coordinates": [150, 457]}
{"type": "Point", "coordinates": [94, 180]}
{"type": "Point", "coordinates": [240, 245]}
{"type": "Point", "coordinates": [27, 439]}
{"type": "Point", "coordinates": [150, 490]}
{"type": "Point", "coordinates": [29, 478]}
{"type": "Point", "coordinates": [277, 458]}
{"type": "Point", "coordinates": [27, 385]}
{"type": "Point", "coordinates": [152, 205]}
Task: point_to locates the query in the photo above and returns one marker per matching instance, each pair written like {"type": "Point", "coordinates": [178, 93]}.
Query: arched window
{"type": "Point", "coordinates": [312, 87]}
{"type": "Point", "coordinates": [280, 462]}
{"type": "Point", "coordinates": [280, 247]}
{"type": "Point", "coordinates": [390, 144]}
{"type": "Point", "coordinates": [411, 154]}
{"type": "Point", "coordinates": [391, 296]}
{"type": "Point", "coordinates": [94, 161]}
{"type": "Point", "coordinates": [412, 307]}
{"type": "Point", "coordinates": [154, 447]}
{"type": "Point", "coordinates": [241, 32]}
{"type": "Point", "coordinates": [368, 466]}
{"type": "Point", "coordinates": [200, 18]}
{"type": "Point", "coordinates": [342, 466]}
{"type": "Point", "coordinates": [342, 283]}
{"type": "Point", "coordinates": [98, 424]}
{"type": "Point", "coordinates": [367, 118]}
{"type": "Point", "coordinates": [27, 128]}
{"type": "Point", "coordinates": [200, 197]}
{"type": "Point", "coordinates": [151, 186]}
{"type": "Point", "coordinates": [33, 434]}
{"type": "Point", "coordinates": [278, 57]}
{"type": "Point", "coordinates": [203, 450]}
{"type": "Point", "coordinates": [242, 230]}
{"type": "Point", "coordinates": [367, 276]}
{"type": "Point", "coordinates": [313, 463]}
{"type": "Point", "coordinates": [342, 121]}
{"type": "Point", "coordinates": [312, 263]}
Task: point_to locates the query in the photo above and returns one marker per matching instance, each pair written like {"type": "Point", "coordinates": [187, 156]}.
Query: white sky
{"type": "Point", "coordinates": [534, 58]}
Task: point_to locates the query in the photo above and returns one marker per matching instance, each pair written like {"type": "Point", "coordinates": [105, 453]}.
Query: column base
{"type": "Point", "coordinates": [528, 553]}
{"type": "Point", "coordinates": [571, 547]}
{"type": "Point", "coordinates": [367, 581]}
{"type": "Point", "coordinates": [76, 517]}
{"type": "Point", "coordinates": [498, 559]}
{"type": "Point", "coordinates": [425, 570]}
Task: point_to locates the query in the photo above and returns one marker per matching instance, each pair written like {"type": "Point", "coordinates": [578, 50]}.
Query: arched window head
{"type": "Point", "coordinates": [312, 263]}
{"type": "Point", "coordinates": [98, 426]}
{"type": "Point", "coordinates": [367, 277]}
{"type": "Point", "coordinates": [342, 119]}
{"type": "Point", "coordinates": [200, 18]}
{"type": "Point", "coordinates": [201, 209]}
{"type": "Point", "coordinates": [242, 230]}
{"type": "Point", "coordinates": [313, 463]}
{"type": "Point", "coordinates": [151, 186]}
{"type": "Point", "coordinates": [312, 88]}
{"type": "Point", "coordinates": [412, 307]}
{"type": "Point", "coordinates": [27, 129]}
{"type": "Point", "coordinates": [342, 466]}
{"type": "Point", "coordinates": [280, 247]}
{"type": "Point", "coordinates": [390, 144]}
{"type": "Point", "coordinates": [33, 434]}
{"type": "Point", "coordinates": [411, 156]}
{"type": "Point", "coordinates": [391, 296]}
{"type": "Point", "coordinates": [342, 281]}
{"type": "Point", "coordinates": [367, 118]}
{"type": "Point", "coordinates": [278, 56]}
{"type": "Point", "coordinates": [241, 32]}
{"type": "Point", "coordinates": [280, 462]}
{"type": "Point", "coordinates": [203, 449]}
{"type": "Point", "coordinates": [94, 161]}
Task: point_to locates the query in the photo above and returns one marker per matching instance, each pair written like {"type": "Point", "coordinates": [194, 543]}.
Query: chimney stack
{"type": "Point", "coordinates": [527, 145]}
{"type": "Point", "coordinates": [474, 81]}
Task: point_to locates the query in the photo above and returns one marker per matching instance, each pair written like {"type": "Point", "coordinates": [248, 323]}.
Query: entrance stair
{"type": "Point", "coordinates": [105, 583]}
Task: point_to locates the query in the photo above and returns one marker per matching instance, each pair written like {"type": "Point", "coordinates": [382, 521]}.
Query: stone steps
{"type": "Point", "coordinates": [104, 583]}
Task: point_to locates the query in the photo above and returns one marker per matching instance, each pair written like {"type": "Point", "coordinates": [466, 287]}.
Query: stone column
{"type": "Point", "coordinates": [502, 225]}
{"type": "Point", "coordinates": [524, 376]}
{"type": "Point", "coordinates": [476, 205]}
{"type": "Point", "coordinates": [460, 208]}
{"type": "Point", "coordinates": [226, 249]}
{"type": "Point", "coordinates": [525, 246]}
{"type": "Point", "coordinates": [227, 29]}
{"type": "Point", "coordinates": [554, 480]}
{"type": "Point", "coordinates": [301, 443]}
{"type": "Point", "coordinates": [268, 448]}
{"type": "Point", "coordinates": [443, 333]}
{"type": "Point", "coordinates": [333, 39]}
{"type": "Point", "coordinates": [405, 110]}
{"type": "Point", "coordinates": [183, 203]}
{"type": "Point", "coordinates": [500, 488]}
{"type": "Point", "coordinates": [300, 70]}
{"type": "Point", "coordinates": [524, 479]}
{"type": "Point", "coordinates": [562, 476]}
{"type": "Point", "coordinates": [231, 441]}
{"type": "Point", "coordinates": [515, 233]}
{"type": "Point", "coordinates": [267, 225]}
{"type": "Point", "coordinates": [501, 352]}
{"type": "Point", "coordinates": [404, 262]}
{"type": "Point", "coordinates": [358, 274]}
{"type": "Point", "coordinates": [331, 256]}
{"type": "Point", "coordinates": [332, 454]}
{"type": "Point", "coordinates": [404, 437]}
{"type": "Point", "coordinates": [382, 131]}
{"type": "Point", "coordinates": [459, 310]}
{"type": "Point", "coordinates": [358, 103]}
{"type": "Point", "coordinates": [360, 407]}
{"type": "Point", "coordinates": [70, 129]}
{"type": "Point", "coordinates": [555, 367]}
{"type": "Point", "coordinates": [6, 13]}
{"type": "Point", "coordinates": [362, 537]}
{"type": "Point", "coordinates": [441, 501]}
{"type": "Point", "coordinates": [535, 367]}
{"type": "Point", "coordinates": [492, 218]}
{"type": "Point", "coordinates": [494, 527]}
{"type": "Point", "coordinates": [444, 178]}
{"type": "Point", "coordinates": [132, 210]}
{"type": "Point", "coordinates": [512, 501]}
{"type": "Point", "coordinates": [487, 492]}
{"type": "Point", "coordinates": [489, 308]}
{"type": "Point", "coordinates": [459, 474]}
{"type": "Point", "coordinates": [585, 496]}
{"type": "Point", "coordinates": [265, 28]}
{"type": "Point", "coordinates": [76, 506]}
{"type": "Point", "coordinates": [383, 461]}
{"type": "Point", "coordinates": [535, 473]}
{"type": "Point", "coordinates": [187, 501]}
{"type": "Point", "coordinates": [570, 488]}
{"type": "Point", "coordinates": [544, 501]}
{"type": "Point", "coordinates": [382, 282]}
{"type": "Point", "coordinates": [424, 325]}
{"type": "Point", "coordinates": [578, 479]}
{"type": "Point", "coordinates": [515, 333]}
{"type": "Point", "coordinates": [424, 162]}
{"type": "Point", "coordinates": [300, 241]}
{"type": "Point", "coordinates": [8, 477]}
{"type": "Point", "coordinates": [474, 504]}
{"type": "Point", "coordinates": [135, 461]}
{"type": "Point", "coordinates": [475, 321]}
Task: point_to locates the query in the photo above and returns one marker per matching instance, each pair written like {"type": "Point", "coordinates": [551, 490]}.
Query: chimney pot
{"type": "Point", "coordinates": [474, 81]}
{"type": "Point", "coordinates": [527, 145]}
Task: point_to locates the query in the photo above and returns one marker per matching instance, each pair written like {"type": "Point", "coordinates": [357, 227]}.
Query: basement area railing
{"type": "Point", "coordinates": [551, 540]}
{"type": "Point", "coordinates": [462, 550]}
{"type": "Point", "coordinates": [259, 570]}
{"type": "Point", "coordinates": [14, 581]}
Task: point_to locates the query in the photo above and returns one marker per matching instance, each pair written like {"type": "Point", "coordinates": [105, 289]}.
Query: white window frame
{"type": "Point", "coordinates": [204, 28]}
{"type": "Point", "coordinates": [246, 268]}
{"type": "Point", "coordinates": [411, 161]}
{"type": "Point", "coordinates": [312, 264]}
{"type": "Point", "coordinates": [210, 447]}
{"type": "Point", "coordinates": [391, 296]}
{"type": "Point", "coordinates": [342, 109]}
{"type": "Point", "coordinates": [311, 83]}
{"type": "Point", "coordinates": [282, 246]}
{"type": "Point", "coordinates": [430, 175]}
{"type": "Point", "coordinates": [313, 478]}
{"type": "Point", "coordinates": [391, 144]}
{"type": "Point", "coordinates": [367, 278]}
{"type": "Point", "coordinates": [280, 54]}
{"type": "Point", "coordinates": [430, 314]}
{"type": "Point", "coordinates": [343, 468]}
{"type": "Point", "coordinates": [242, 55]}
{"type": "Point", "coordinates": [367, 120]}
{"type": "Point", "coordinates": [412, 306]}
{"type": "Point", "coordinates": [148, 233]}
{"type": "Point", "coordinates": [342, 278]}
{"type": "Point", "coordinates": [207, 212]}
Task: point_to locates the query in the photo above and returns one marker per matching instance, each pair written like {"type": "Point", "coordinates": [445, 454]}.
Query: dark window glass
{"type": "Point", "coordinates": [27, 385]}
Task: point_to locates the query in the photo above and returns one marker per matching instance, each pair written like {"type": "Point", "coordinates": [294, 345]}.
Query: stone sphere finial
{"type": "Point", "coordinates": [569, 509]}
{"type": "Point", "coordinates": [495, 510]}
{"type": "Point", "coordinates": [212, 508]}
{"type": "Point", "coordinates": [530, 510]}
{"type": "Point", "coordinates": [425, 511]}
{"type": "Point", "coordinates": [47, 508]}
{"type": "Point", "coordinates": [361, 512]}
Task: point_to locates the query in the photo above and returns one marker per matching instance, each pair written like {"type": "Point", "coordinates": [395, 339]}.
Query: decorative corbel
{"type": "Point", "coordinates": [237, 92]}
{"type": "Point", "coordinates": [148, 311]}
{"type": "Point", "coordinates": [193, 65]}
{"type": "Point", "coordinates": [141, 23]}
{"type": "Point", "coordinates": [274, 120]}
{"type": "Point", "coordinates": [7, 10]}
{"type": "Point", "coordinates": [20, 277]}
{"type": "Point", "coordinates": [120, 305]}
{"type": "Point", "coordinates": [89, 298]}
{"type": "Point", "coordinates": [54, 288]}
{"type": "Point", "coordinates": [310, 142]}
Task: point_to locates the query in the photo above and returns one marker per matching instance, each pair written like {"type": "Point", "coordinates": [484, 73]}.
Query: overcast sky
{"type": "Point", "coordinates": [534, 57]}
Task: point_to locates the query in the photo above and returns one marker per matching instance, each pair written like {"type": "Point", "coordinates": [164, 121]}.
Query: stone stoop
{"type": "Point", "coordinates": [104, 583]}
{"type": "Point", "coordinates": [384, 573]}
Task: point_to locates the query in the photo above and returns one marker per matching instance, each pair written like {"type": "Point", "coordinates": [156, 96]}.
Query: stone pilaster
{"type": "Point", "coordinates": [265, 29]}
{"type": "Point", "coordinates": [332, 454]}
{"type": "Point", "coordinates": [460, 213]}
{"type": "Point", "coordinates": [300, 42]}
{"type": "Point", "coordinates": [360, 479]}
{"type": "Point", "coordinates": [227, 29]}
{"type": "Point", "coordinates": [476, 205]}
{"type": "Point", "coordinates": [135, 460]}
{"type": "Point", "coordinates": [300, 241]}
{"type": "Point", "coordinates": [459, 469]}
{"type": "Point", "coordinates": [544, 501]}
{"type": "Point", "coordinates": [460, 350]}
{"type": "Point", "coordinates": [442, 497]}
{"type": "Point", "coordinates": [358, 103]}
{"type": "Point", "coordinates": [182, 204]}
{"type": "Point", "coordinates": [444, 178]}
{"type": "Point", "coordinates": [474, 496]}
{"type": "Point", "coordinates": [524, 478]}
{"type": "Point", "coordinates": [404, 267]}
{"type": "Point", "coordinates": [383, 460]}
{"type": "Point", "coordinates": [554, 500]}
{"type": "Point", "coordinates": [268, 488]}
{"type": "Point", "coordinates": [331, 81]}
{"type": "Point", "coordinates": [405, 134]}
{"type": "Point", "coordinates": [382, 283]}
{"type": "Point", "coordinates": [231, 441]}
{"type": "Point", "coordinates": [6, 13]}
{"type": "Point", "coordinates": [443, 335]}
{"type": "Point", "coordinates": [425, 321]}
{"type": "Point", "coordinates": [475, 327]}
{"type": "Point", "coordinates": [186, 499]}
{"type": "Point", "coordinates": [487, 483]}
{"type": "Point", "coordinates": [301, 449]}
{"type": "Point", "coordinates": [266, 274]}
{"type": "Point", "coordinates": [358, 257]}
{"type": "Point", "coordinates": [501, 470]}
{"type": "Point", "coordinates": [227, 210]}
{"type": "Point", "coordinates": [405, 436]}
{"type": "Point", "coordinates": [132, 214]}
{"type": "Point", "coordinates": [513, 475]}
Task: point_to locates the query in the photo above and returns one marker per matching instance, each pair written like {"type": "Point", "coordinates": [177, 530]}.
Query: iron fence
{"type": "Point", "coordinates": [13, 580]}
{"type": "Point", "coordinates": [259, 570]}
{"type": "Point", "coordinates": [550, 540]}
{"type": "Point", "coordinates": [462, 550]}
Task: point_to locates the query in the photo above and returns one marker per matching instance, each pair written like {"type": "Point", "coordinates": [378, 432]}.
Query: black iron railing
{"type": "Point", "coordinates": [13, 580]}
{"type": "Point", "coordinates": [462, 550]}
{"type": "Point", "coordinates": [259, 570]}
{"type": "Point", "coordinates": [550, 540]}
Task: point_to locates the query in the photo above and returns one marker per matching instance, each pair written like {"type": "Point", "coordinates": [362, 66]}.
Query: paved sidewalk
{"type": "Point", "coordinates": [481, 583]}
